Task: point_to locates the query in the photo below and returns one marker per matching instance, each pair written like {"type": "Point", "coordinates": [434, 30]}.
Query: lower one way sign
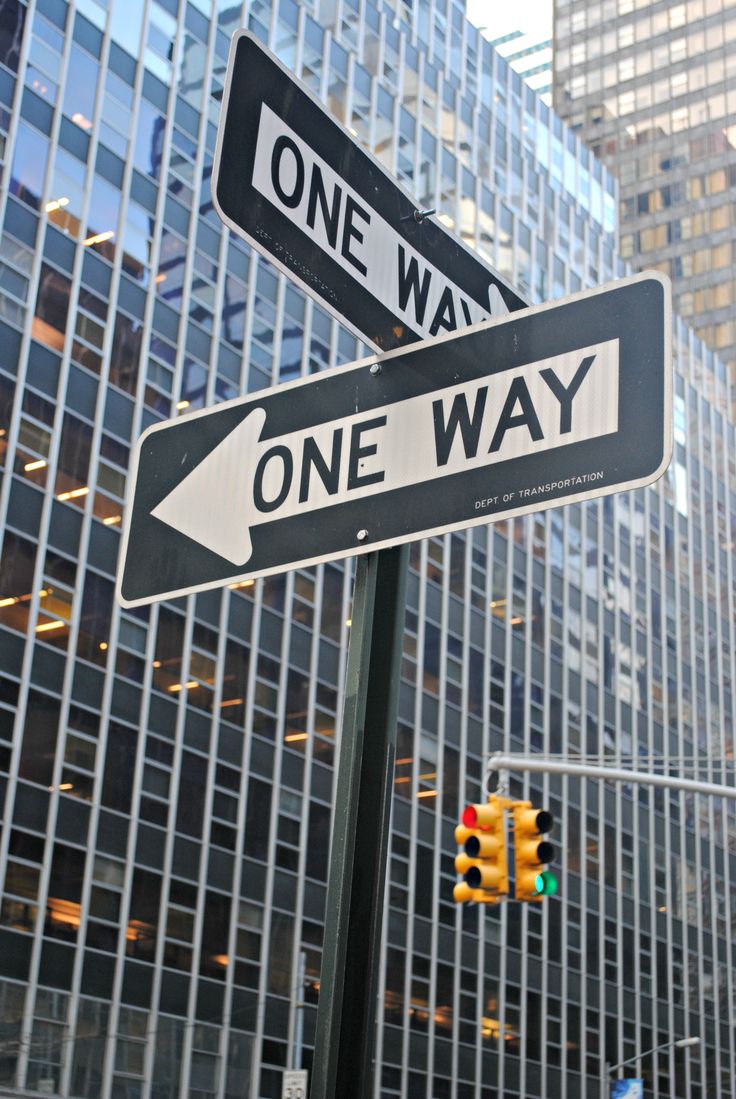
{"type": "Point", "coordinates": [551, 405]}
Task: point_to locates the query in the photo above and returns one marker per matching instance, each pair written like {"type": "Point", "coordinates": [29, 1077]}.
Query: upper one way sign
{"type": "Point", "coordinates": [553, 404]}
{"type": "Point", "coordinates": [297, 186]}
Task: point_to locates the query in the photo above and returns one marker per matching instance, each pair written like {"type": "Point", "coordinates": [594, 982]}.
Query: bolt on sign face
{"type": "Point", "coordinates": [551, 405]}
{"type": "Point", "coordinates": [295, 183]}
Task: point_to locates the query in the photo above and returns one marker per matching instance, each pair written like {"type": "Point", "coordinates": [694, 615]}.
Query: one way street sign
{"type": "Point", "coordinates": [297, 186]}
{"type": "Point", "coordinates": [557, 403]}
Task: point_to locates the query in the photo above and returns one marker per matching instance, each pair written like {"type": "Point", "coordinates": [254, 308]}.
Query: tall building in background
{"type": "Point", "coordinates": [651, 88]}
{"type": "Point", "coordinates": [166, 773]}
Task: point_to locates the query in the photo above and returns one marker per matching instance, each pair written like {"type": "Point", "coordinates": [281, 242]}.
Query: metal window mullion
{"type": "Point", "coordinates": [383, 20]}
{"type": "Point", "coordinates": [635, 807]}
{"type": "Point", "coordinates": [395, 116]}
{"type": "Point", "coordinates": [175, 796]}
{"type": "Point", "coordinates": [301, 19]}
{"type": "Point", "coordinates": [670, 1007]}
{"type": "Point", "coordinates": [297, 991]}
{"type": "Point", "coordinates": [583, 788]}
{"type": "Point", "coordinates": [560, 787]}
{"type": "Point", "coordinates": [463, 773]}
{"type": "Point", "coordinates": [681, 900]}
{"type": "Point", "coordinates": [487, 534]}
{"type": "Point", "coordinates": [439, 780]}
{"type": "Point", "coordinates": [219, 302]}
{"type": "Point", "coordinates": [652, 504]}
{"type": "Point", "coordinates": [250, 295]}
{"type": "Point", "coordinates": [272, 26]}
{"type": "Point", "coordinates": [600, 792]}
{"type": "Point", "coordinates": [278, 328]}
{"type": "Point", "coordinates": [728, 629]}
{"type": "Point", "coordinates": [409, 948]}
{"type": "Point", "coordinates": [565, 797]}
{"type": "Point", "coordinates": [360, 42]}
{"type": "Point", "coordinates": [304, 370]}
{"type": "Point", "coordinates": [268, 905]}
{"type": "Point", "coordinates": [383, 966]}
{"type": "Point", "coordinates": [714, 963]}
{"type": "Point", "coordinates": [324, 74]}
{"type": "Point", "coordinates": [618, 789]}
{"type": "Point", "coordinates": [186, 286]}
{"type": "Point", "coordinates": [209, 767]}
{"type": "Point", "coordinates": [158, 231]}
{"type": "Point", "coordinates": [690, 595]}
{"type": "Point", "coordinates": [470, 538]}
{"type": "Point", "coordinates": [228, 1018]}
{"type": "Point", "coordinates": [134, 818]}
{"type": "Point", "coordinates": [702, 591]}
{"type": "Point", "coordinates": [197, 189]}
{"type": "Point", "coordinates": [706, 422]}
{"type": "Point", "coordinates": [166, 873]}
{"type": "Point", "coordinates": [527, 522]}
{"type": "Point", "coordinates": [503, 968]}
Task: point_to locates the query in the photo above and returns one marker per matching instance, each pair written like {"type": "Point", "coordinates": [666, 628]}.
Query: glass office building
{"type": "Point", "coordinates": [167, 772]}
{"type": "Point", "coordinates": [651, 87]}
{"type": "Point", "coordinates": [529, 54]}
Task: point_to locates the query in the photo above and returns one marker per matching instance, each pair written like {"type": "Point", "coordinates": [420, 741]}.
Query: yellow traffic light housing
{"type": "Point", "coordinates": [532, 852]}
{"type": "Point", "coordinates": [483, 862]}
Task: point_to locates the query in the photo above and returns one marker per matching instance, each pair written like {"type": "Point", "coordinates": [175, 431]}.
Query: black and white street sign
{"type": "Point", "coordinates": [297, 186]}
{"type": "Point", "coordinates": [557, 403]}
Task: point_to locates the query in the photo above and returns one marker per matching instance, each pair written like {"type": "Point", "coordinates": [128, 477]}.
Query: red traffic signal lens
{"type": "Point", "coordinates": [470, 816]}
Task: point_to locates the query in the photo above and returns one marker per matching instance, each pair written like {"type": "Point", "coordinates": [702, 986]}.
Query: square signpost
{"type": "Point", "coordinates": [558, 403]}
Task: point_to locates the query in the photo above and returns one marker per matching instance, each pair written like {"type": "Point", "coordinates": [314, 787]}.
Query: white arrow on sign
{"type": "Point", "coordinates": [544, 405]}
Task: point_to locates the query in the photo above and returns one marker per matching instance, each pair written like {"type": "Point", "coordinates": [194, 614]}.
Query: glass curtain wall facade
{"type": "Point", "coordinates": [651, 87]}
{"type": "Point", "coordinates": [166, 773]}
{"type": "Point", "coordinates": [530, 55]}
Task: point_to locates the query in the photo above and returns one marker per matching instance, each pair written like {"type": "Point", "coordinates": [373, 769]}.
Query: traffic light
{"type": "Point", "coordinates": [532, 852]}
{"type": "Point", "coordinates": [483, 861]}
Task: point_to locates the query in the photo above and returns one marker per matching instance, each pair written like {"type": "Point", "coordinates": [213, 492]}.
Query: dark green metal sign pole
{"type": "Point", "coordinates": [346, 1017]}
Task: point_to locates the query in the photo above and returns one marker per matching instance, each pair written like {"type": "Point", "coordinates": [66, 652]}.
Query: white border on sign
{"type": "Point", "coordinates": [466, 524]}
{"type": "Point", "coordinates": [258, 244]}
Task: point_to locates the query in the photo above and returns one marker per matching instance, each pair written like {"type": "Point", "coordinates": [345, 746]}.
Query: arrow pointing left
{"type": "Point", "coordinates": [195, 508]}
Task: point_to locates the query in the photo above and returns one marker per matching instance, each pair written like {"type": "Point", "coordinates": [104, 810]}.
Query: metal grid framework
{"type": "Point", "coordinates": [167, 773]}
{"type": "Point", "coordinates": [651, 88]}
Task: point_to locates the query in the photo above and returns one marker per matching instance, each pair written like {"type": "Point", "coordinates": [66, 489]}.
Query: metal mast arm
{"type": "Point", "coordinates": [501, 761]}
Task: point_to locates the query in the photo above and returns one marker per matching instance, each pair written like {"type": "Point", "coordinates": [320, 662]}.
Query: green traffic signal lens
{"type": "Point", "coordinates": [545, 884]}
